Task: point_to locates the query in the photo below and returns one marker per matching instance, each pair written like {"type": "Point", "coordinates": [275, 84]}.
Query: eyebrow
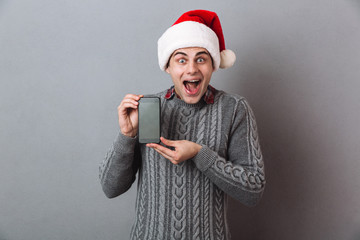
{"type": "Point", "coordinates": [197, 54]}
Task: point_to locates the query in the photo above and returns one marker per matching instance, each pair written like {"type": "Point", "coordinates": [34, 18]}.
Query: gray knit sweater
{"type": "Point", "coordinates": [189, 200]}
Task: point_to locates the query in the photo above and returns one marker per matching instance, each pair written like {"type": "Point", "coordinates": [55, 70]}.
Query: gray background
{"type": "Point", "coordinates": [65, 66]}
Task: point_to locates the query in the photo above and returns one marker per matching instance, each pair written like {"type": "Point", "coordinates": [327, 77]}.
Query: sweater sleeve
{"type": "Point", "coordinates": [241, 174]}
{"type": "Point", "coordinates": [118, 170]}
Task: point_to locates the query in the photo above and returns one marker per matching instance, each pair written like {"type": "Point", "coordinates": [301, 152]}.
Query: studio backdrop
{"type": "Point", "coordinates": [66, 65]}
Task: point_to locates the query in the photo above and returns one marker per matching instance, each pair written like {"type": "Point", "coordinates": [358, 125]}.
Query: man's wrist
{"type": "Point", "coordinates": [198, 148]}
{"type": "Point", "coordinates": [128, 134]}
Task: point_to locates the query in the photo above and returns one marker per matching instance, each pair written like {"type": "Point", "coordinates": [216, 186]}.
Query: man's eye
{"type": "Point", "coordinates": [182, 61]}
{"type": "Point", "coordinates": [200, 60]}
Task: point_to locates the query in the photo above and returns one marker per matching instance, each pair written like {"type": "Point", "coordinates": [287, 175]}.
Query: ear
{"type": "Point", "coordinates": [167, 70]}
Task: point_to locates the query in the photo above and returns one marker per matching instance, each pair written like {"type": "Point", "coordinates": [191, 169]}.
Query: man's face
{"type": "Point", "coordinates": [190, 70]}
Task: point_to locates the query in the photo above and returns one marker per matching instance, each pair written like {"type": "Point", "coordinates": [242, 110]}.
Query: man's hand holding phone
{"type": "Point", "coordinates": [128, 114]}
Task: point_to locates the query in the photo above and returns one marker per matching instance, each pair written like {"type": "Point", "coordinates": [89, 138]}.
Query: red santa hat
{"type": "Point", "coordinates": [197, 28]}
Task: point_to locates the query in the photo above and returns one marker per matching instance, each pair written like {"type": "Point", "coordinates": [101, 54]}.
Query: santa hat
{"type": "Point", "coordinates": [197, 28]}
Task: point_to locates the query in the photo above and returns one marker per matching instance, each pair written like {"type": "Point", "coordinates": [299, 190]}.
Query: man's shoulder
{"type": "Point", "coordinates": [232, 103]}
{"type": "Point", "coordinates": [222, 96]}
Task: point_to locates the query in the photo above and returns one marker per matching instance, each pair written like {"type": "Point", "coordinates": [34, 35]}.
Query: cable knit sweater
{"type": "Point", "coordinates": [189, 200]}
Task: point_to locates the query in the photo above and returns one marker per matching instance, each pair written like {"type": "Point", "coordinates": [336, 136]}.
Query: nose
{"type": "Point", "coordinates": [192, 67]}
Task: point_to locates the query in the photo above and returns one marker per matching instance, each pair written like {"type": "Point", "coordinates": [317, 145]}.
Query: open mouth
{"type": "Point", "coordinates": [192, 86]}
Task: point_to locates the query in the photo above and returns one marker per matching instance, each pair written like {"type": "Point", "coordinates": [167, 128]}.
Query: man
{"type": "Point", "coordinates": [209, 146]}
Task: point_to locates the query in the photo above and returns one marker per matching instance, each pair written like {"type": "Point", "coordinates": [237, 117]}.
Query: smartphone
{"type": "Point", "coordinates": [149, 120]}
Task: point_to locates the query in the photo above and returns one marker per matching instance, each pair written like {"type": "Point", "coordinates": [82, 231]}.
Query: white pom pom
{"type": "Point", "coordinates": [228, 58]}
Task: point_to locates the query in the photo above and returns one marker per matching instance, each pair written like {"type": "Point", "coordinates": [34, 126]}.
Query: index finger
{"type": "Point", "coordinates": [133, 96]}
{"type": "Point", "coordinates": [168, 142]}
{"type": "Point", "coordinates": [161, 149]}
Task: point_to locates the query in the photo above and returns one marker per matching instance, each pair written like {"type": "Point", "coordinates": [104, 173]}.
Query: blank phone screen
{"type": "Point", "coordinates": [149, 120]}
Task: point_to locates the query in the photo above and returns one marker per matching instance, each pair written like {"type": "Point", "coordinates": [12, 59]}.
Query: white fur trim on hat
{"type": "Point", "coordinates": [188, 34]}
